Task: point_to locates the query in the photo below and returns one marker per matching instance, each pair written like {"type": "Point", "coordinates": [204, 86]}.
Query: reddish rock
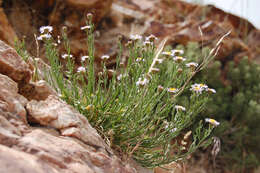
{"type": "Point", "coordinates": [65, 155]}
{"type": "Point", "coordinates": [39, 90]}
{"type": "Point", "coordinates": [15, 161]}
{"type": "Point", "coordinates": [55, 113]}
{"type": "Point", "coordinates": [9, 94]}
{"type": "Point", "coordinates": [12, 65]}
{"type": "Point", "coordinates": [7, 33]}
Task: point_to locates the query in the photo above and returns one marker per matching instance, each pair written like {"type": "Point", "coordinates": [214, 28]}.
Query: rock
{"type": "Point", "coordinates": [7, 33]}
{"type": "Point", "coordinates": [55, 113]}
{"type": "Point", "coordinates": [39, 90]}
{"type": "Point", "coordinates": [9, 94]}
{"type": "Point", "coordinates": [8, 133]}
{"type": "Point", "coordinates": [66, 155]}
{"type": "Point", "coordinates": [15, 161]}
{"type": "Point", "coordinates": [12, 65]}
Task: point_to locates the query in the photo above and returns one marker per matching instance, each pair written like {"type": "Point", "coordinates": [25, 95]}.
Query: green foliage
{"type": "Point", "coordinates": [237, 106]}
{"type": "Point", "coordinates": [21, 49]}
{"type": "Point", "coordinates": [135, 113]}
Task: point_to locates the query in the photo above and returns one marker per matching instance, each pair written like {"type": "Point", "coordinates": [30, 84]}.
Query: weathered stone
{"type": "Point", "coordinates": [66, 155]}
{"type": "Point", "coordinates": [14, 161]}
{"type": "Point", "coordinates": [12, 65]}
{"type": "Point", "coordinates": [9, 94]}
{"type": "Point", "coordinates": [8, 133]}
{"type": "Point", "coordinates": [7, 33]}
{"type": "Point", "coordinates": [39, 90]}
{"type": "Point", "coordinates": [56, 113]}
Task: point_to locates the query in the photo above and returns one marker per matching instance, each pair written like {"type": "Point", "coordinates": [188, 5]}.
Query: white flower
{"type": "Point", "coordinates": [178, 107]}
{"type": "Point", "coordinates": [148, 43]}
{"type": "Point", "coordinates": [81, 69]}
{"type": "Point", "coordinates": [167, 53]}
{"type": "Point", "coordinates": [139, 59]}
{"type": "Point", "coordinates": [212, 121]}
{"type": "Point", "coordinates": [151, 38]}
{"type": "Point", "coordinates": [173, 90]}
{"type": "Point", "coordinates": [64, 56]}
{"type": "Point", "coordinates": [211, 90]}
{"type": "Point", "coordinates": [192, 64]}
{"type": "Point", "coordinates": [83, 58]}
{"type": "Point", "coordinates": [179, 59]}
{"type": "Point", "coordinates": [48, 29]}
{"type": "Point", "coordinates": [141, 82]}
{"type": "Point", "coordinates": [159, 61]}
{"type": "Point", "coordinates": [44, 36]}
{"type": "Point", "coordinates": [105, 57]}
{"type": "Point", "coordinates": [177, 52]}
{"type": "Point", "coordinates": [135, 37]}
{"type": "Point", "coordinates": [198, 88]}
{"type": "Point", "coordinates": [85, 27]}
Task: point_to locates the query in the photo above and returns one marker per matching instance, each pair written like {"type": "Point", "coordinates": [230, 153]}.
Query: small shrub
{"type": "Point", "coordinates": [138, 110]}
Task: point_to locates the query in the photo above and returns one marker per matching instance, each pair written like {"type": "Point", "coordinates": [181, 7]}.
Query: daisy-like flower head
{"type": "Point", "coordinates": [178, 107]}
{"type": "Point", "coordinates": [167, 54]}
{"type": "Point", "coordinates": [211, 90]}
{"type": "Point", "coordinates": [139, 59]}
{"type": "Point", "coordinates": [172, 90]}
{"type": "Point", "coordinates": [159, 61]}
{"type": "Point", "coordinates": [204, 86]}
{"type": "Point", "coordinates": [81, 69]}
{"type": "Point", "coordinates": [192, 65]}
{"type": "Point", "coordinates": [151, 38]}
{"type": "Point", "coordinates": [198, 88]}
{"type": "Point", "coordinates": [44, 36]}
{"type": "Point", "coordinates": [141, 82]}
{"type": "Point", "coordinates": [105, 57]}
{"type": "Point", "coordinates": [147, 43]}
{"type": "Point", "coordinates": [64, 56]}
{"type": "Point", "coordinates": [176, 52]}
{"type": "Point", "coordinates": [83, 58]}
{"type": "Point", "coordinates": [135, 37]}
{"type": "Point", "coordinates": [212, 121]}
{"type": "Point", "coordinates": [46, 29]}
{"type": "Point", "coordinates": [87, 27]}
{"type": "Point", "coordinates": [179, 59]}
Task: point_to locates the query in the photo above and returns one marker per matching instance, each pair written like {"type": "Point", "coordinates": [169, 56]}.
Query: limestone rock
{"type": "Point", "coordinates": [39, 90]}
{"type": "Point", "coordinates": [55, 113]}
{"type": "Point", "coordinates": [7, 33]}
{"type": "Point", "coordinates": [17, 162]}
{"type": "Point", "coordinates": [9, 94]}
{"type": "Point", "coordinates": [12, 65]}
{"type": "Point", "coordinates": [66, 155]}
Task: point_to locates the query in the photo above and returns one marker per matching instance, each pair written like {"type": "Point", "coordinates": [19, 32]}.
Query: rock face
{"type": "Point", "coordinates": [43, 130]}
{"type": "Point", "coordinates": [7, 33]}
